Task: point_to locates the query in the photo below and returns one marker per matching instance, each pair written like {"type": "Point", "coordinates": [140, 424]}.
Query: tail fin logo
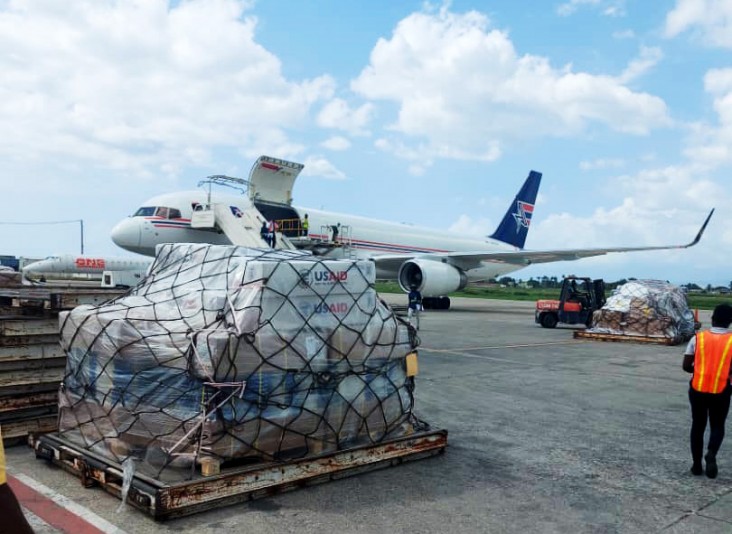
{"type": "Point", "coordinates": [522, 215]}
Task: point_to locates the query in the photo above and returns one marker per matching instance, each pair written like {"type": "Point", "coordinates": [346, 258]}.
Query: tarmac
{"type": "Point", "coordinates": [546, 434]}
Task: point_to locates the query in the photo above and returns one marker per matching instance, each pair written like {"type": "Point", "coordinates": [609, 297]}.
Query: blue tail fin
{"type": "Point", "coordinates": [515, 224]}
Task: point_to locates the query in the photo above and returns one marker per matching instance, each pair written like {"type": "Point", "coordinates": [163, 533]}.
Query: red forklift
{"type": "Point", "coordinates": [578, 299]}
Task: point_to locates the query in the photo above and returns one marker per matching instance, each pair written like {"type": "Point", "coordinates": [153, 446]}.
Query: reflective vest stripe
{"type": "Point", "coordinates": [722, 365]}
{"type": "Point", "coordinates": [2, 460]}
{"type": "Point", "coordinates": [712, 362]}
{"type": "Point", "coordinates": [701, 355]}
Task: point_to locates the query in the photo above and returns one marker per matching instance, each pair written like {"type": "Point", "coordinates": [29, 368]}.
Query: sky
{"type": "Point", "coordinates": [425, 113]}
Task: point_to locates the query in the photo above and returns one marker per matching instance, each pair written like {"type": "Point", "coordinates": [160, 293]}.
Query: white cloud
{"type": "Point", "coordinates": [570, 7]}
{"type": "Point", "coordinates": [336, 143]}
{"type": "Point", "coordinates": [663, 206]}
{"type": "Point", "coordinates": [423, 155]}
{"type": "Point", "coordinates": [322, 168]}
{"type": "Point", "coordinates": [142, 87]}
{"type": "Point", "coordinates": [461, 85]}
{"type": "Point", "coordinates": [616, 10]}
{"type": "Point", "coordinates": [711, 146]}
{"type": "Point", "coordinates": [470, 227]}
{"type": "Point", "coordinates": [649, 57]}
{"type": "Point", "coordinates": [339, 115]}
{"type": "Point", "coordinates": [602, 163]}
{"type": "Point", "coordinates": [624, 34]}
{"type": "Point", "coordinates": [609, 8]}
{"type": "Point", "coordinates": [711, 20]}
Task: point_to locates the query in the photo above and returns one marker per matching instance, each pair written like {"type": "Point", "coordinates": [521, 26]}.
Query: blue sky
{"type": "Point", "coordinates": [428, 113]}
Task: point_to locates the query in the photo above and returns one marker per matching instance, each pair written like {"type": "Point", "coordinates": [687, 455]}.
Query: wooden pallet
{"type": "Point", "coordinates": [19, 432]}
{"type": "Point", "coordinates": [624, 338]}
{"type": "Point", "coordinates": [164, 500]}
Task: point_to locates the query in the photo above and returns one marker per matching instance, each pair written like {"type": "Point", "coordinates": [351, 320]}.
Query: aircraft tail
{"type": "Point", "coordinates": [515, 224]}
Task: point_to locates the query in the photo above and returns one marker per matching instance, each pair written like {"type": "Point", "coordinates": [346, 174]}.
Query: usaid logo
{"type": "Point", "coordinates": [337, 308]}
{"type": "Point", "coordinates": [328, 277]}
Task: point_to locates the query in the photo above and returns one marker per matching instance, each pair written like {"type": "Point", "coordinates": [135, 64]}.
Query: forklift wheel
{"type": "Point", "coordinates": [549, 320]}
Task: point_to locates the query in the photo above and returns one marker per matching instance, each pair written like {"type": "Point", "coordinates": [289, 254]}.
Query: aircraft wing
{"type": "Point", "coordinates": [471, 260]}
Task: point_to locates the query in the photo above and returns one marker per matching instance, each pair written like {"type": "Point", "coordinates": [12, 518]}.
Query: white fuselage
{"type": "Point", "coordinates": [87, 265]}
{"type": "Point", "coordinates": [367, 237]}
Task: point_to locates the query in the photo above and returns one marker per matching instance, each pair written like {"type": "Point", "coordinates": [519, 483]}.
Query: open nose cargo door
{"type": "Point", "coordinates": [271, 180]}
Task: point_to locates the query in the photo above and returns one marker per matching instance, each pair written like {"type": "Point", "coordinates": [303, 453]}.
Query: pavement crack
{"type": "Point", "coordinates": [696, 512]}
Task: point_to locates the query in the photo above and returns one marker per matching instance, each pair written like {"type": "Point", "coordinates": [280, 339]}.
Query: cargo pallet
{"type": "Point", "coordinates": [29, 300]}
{"type": "Point", "coordinates": [31, 359]}
{"type": "Point", "coordinates": [627, 338]}
{"type": "Point", "coordinates": [165, 501]}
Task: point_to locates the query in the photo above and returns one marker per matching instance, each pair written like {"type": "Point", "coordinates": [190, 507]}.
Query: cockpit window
{"type": "Point", "coordinates": [145, 212]}
{"type": "Point", "coordinates": [158, 211]}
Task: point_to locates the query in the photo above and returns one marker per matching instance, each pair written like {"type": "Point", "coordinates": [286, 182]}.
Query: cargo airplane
{"type": "Point", "coordinates": [435, 262]}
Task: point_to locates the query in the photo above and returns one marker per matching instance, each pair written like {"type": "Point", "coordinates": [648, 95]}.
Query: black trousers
{"type": "Point", "coordinates": [712, 406]}
{"type": "Point", "coordinates": [12, 520]}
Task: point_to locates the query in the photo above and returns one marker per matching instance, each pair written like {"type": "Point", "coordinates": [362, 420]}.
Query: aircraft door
{"type": "Point", "coordinates": [271, 180]}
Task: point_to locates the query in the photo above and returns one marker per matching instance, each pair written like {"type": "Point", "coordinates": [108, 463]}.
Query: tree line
{"type": "Point", "coordinates": [553, 282]}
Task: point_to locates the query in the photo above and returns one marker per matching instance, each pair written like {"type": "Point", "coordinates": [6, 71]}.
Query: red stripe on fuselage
{"type": "Point", "coordinates": [158, 218]}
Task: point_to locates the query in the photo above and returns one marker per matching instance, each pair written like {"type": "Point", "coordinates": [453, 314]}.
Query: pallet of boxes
{"type": "Point", "coordinates": [232, 373]}
{"type": "Point", "coordinates": [643, 311]}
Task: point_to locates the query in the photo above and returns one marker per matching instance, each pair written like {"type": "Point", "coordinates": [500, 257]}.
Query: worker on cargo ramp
{"type": "Point", "coordinates": [707, 357]}
{"type": "Point", "coordinates": [273, 227]}
{"type": "Point", "coordinates": [264, 233]}
{"type": "Point", "coordinates": [12, 520]}
{"type": "Point", "coordinates": [305, 225]}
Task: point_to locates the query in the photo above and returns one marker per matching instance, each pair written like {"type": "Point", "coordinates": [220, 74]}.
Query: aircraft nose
{"type": "Point", "coordinates": [127, 234]}
{"type": "Point", "coordinates": [35, 267]}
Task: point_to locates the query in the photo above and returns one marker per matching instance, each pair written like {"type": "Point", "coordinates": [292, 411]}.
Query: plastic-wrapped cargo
{"type": "Point", "coordinates": [647, 308]}
{"type": "Point", "coordinates": [230, 353]}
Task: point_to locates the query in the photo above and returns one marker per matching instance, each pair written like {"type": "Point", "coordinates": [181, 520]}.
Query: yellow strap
{"type": "Point", "coordinates": [721, 365]}
{"type": "Point", "coordinates": [3, 477]}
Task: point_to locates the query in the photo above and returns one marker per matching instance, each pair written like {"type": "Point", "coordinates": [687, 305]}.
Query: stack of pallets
{"type": "Point", "coordinates": [32, 363]}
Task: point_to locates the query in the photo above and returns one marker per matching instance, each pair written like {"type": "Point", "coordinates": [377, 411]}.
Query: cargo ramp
{"type": "Point", "coordinates": [244, 228]}
{"type": "Point", "coordinates": [241, 227]}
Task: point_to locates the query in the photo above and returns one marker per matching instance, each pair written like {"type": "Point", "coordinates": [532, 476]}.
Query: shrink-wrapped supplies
{"type": "Point", "coordinates": [647, 308]}
{"type": "Point", "coordinates": [229, 352]}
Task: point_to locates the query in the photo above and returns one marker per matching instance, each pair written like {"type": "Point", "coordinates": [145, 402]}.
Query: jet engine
{"type": "Point", "coordinates": [431, 278]}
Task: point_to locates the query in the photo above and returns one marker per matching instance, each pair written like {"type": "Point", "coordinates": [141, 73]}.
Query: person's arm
{"type": "Point", "coordinates": [688, 363]}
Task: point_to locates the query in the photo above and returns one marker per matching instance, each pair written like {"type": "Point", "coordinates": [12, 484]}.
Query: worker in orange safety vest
{"type": "Point", "coordinates": [12, 520]}
{"type": "Point", "coordinates": [708, 357]}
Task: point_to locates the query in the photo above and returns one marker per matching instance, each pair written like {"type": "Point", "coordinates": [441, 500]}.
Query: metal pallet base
{"type": "Point", "coordinates": [627, 338]}
{"type": "Point", "coordinates": [166, 501]}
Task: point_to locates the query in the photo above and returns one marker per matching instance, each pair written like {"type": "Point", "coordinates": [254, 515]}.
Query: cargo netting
{"type": "Point", "coordinates": [648, 308]}
{"type": "Point", "coordinates": [236, 354]}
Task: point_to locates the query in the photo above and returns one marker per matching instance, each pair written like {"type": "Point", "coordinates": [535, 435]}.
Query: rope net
{"type": "Point", "coordinates": [649, 308]}
{"type": "Point", "coordinates": [232, 353]}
